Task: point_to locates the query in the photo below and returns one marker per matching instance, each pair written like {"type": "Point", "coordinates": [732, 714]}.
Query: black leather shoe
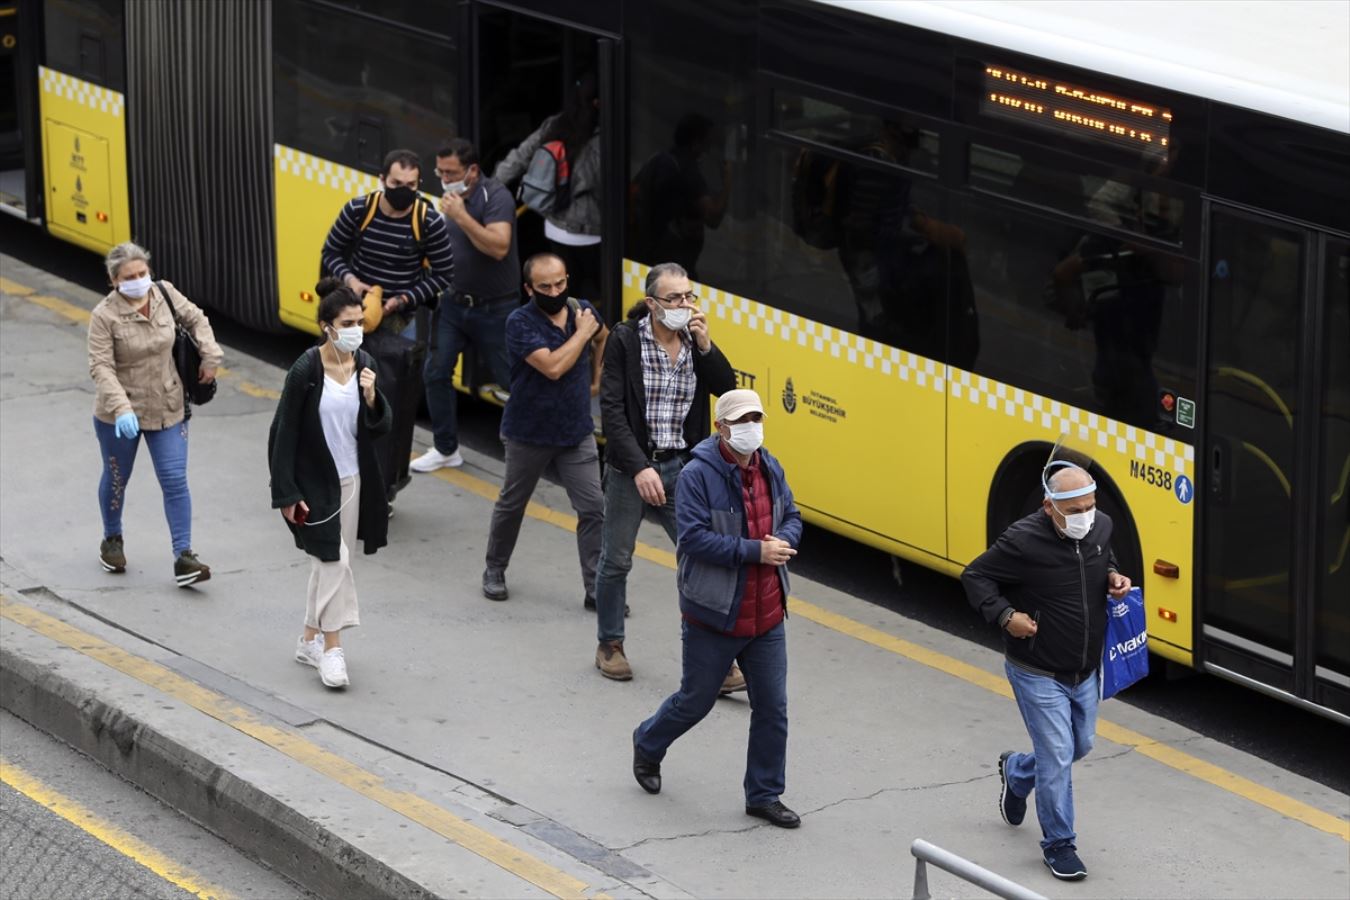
{"type": "Point", "coordinates": [647, 773]}
{"type": "Point", "coordinates": [775, 814]}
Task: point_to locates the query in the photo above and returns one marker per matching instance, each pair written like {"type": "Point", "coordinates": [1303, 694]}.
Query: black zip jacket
{"type": "Point", "coordinates": [1059, 582]}
{"type": "Point", "coordinates": [623, 398]}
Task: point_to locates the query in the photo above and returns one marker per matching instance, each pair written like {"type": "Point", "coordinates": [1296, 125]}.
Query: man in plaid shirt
{"type": "Point", "coordinates": [661, 368]}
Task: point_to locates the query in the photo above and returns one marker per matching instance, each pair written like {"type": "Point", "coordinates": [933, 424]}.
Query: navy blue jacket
{"type": "Point", "coordinates": [712, 546]}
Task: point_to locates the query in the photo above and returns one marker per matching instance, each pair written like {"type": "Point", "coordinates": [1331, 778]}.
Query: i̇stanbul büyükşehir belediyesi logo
{"type": "Point", "coordinates": [789, 397]}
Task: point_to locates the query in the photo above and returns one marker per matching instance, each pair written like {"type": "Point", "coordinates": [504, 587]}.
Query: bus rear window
{"type": "Point", "coordinates": [1107, 201]}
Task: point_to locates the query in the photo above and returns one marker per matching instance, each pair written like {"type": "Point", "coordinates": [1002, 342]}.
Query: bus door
{"type": "Point", "coordinates": [527, 68]}
{"type": "Point", "coordinates": [20, 147]}
{"type": "Point", "coordinates": [1275, 604]}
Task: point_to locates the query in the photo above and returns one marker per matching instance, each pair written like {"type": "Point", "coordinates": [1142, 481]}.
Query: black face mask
{"type": "Point", "coordinates": [400, 198]}
{"type": "Point", "coordinates": [550, 305]}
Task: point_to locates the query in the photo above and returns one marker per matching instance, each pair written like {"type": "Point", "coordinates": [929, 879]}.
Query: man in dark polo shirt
{"type": "Point", "coordinates": [554, 345]}
{"type": "Point", "coordinates": [480, 216]}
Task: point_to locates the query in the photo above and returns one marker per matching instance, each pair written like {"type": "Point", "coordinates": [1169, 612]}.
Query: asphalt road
{"type": "Point", "coordinates": [1302, 742]}
{"type": "Point", "coordinates": [43, 855]}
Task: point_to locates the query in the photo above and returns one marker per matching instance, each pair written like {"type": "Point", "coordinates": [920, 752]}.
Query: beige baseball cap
{"type": "Point", "coordinates": [734, 404]}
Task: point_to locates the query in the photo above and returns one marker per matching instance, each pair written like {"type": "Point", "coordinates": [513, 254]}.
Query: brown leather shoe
{"type": "Point", "coordinates": [611, 662]}
{"type": "Point", "coordinates": [734, 681]}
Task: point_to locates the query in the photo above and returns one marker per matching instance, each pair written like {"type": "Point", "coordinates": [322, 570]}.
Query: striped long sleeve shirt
{"type": "Point", "coordinates": [387, 254]}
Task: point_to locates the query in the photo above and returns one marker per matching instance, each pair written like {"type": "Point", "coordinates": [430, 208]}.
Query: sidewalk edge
{"type": "Point", "coordinates": [234, 809]}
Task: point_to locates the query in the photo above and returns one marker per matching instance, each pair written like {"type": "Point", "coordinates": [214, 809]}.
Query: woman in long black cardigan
{"type": "Point", "coordinates": [326, 477]}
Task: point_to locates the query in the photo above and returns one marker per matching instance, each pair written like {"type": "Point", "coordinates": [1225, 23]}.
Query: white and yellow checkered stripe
{"type": "Point", "coordinates": [82, 92]}
{"type": "Point", "coordinates": [1050, 416]}
{"type": "Point", "coordinates": [346, 181]}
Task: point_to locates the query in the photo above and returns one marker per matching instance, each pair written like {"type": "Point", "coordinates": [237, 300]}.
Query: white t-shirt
{"type": "Point", "coordinates": [567, 238]}
{"type": "Point", "coordinates": [339, 406]}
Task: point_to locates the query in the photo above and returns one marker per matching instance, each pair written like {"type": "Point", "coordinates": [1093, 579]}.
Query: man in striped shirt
{"type": "Point", "coordinates": [387, 251]}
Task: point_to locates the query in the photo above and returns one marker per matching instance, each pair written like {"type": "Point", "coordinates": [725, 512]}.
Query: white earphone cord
{"type": "Point", "coordinates": [334, 515]}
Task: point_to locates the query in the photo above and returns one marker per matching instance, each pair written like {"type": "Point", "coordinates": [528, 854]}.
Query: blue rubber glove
{"type": "Point", "coordinates": [127, 426]}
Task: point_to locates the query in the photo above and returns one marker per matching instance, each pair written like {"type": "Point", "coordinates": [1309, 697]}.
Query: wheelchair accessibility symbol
{"type": "Point", "coordinates": [1183, 488]}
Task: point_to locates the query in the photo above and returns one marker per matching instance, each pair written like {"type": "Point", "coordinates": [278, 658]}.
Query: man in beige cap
{"type": "Point", "coordinates": [737, 527]}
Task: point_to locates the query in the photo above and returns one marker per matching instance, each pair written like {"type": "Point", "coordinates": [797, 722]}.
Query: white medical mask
{"type": "Point", "coordinates": [136, 288]}
{"type": "Point", "coordinates": [454, 187]}
{"type": "Point", "coordinates": [348, 339]}
{"type": "Point", "coordinates": [677, 319]}
{"type": "Point", "coordinates": [746, 437]}
{"type": "Point", "coordinates": [1077, 525]}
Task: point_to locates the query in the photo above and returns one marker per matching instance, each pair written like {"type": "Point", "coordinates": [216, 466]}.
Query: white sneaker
{"type": "Point", "coordinates": [308, 652]}
{"type": "Point", "coordinates": [333, 668]}
{"type": "Point", "coordinates": [434, 459]}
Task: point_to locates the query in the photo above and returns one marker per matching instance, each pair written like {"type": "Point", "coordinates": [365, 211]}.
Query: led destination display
{"type": "Point", "coordinates": [1074, 110]}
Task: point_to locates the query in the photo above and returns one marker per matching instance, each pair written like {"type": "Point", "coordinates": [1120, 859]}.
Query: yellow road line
{"type": "Point", "coordinates": [126, 844]}
{"type": "Point", "coordinates": [1155, 750]}
{"type": "Point", "coordinates": [292, 743]}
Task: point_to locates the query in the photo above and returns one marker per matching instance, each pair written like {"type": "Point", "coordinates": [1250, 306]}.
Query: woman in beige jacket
{"type": "Point", "coordinates": [131, 335]}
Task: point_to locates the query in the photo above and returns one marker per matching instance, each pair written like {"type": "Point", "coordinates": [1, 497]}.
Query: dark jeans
{"type": "Point", "coordinates": [707, 656]}
{"type": "Point", "coordinates": [579, 470]}
{"type": "Point", "coordinates": [624, 509]}
{"type": "Point", "coordinates": [169, 453]}
{"type": "Point", "coordinates": [456, 327]}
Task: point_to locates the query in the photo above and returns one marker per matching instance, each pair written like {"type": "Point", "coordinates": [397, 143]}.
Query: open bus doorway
{"type": "Point", "coordinates": [529, 70]}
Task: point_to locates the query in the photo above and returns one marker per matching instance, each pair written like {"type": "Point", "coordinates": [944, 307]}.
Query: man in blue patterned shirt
{"type": "Point", "coordinates": [554, 345]}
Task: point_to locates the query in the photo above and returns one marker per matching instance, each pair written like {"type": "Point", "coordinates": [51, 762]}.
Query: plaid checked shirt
{"type": "Point", "coordinates": [669, 388]}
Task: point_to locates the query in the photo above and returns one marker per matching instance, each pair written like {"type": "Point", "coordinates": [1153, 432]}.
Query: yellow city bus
{"type": "Point", "coordinates": [936, 239]}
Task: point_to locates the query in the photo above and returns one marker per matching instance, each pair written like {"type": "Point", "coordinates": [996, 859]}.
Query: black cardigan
{"type": "Point", "coordinates": [623, 398]}
{"type": "Point", "coordinates": [303, 469]}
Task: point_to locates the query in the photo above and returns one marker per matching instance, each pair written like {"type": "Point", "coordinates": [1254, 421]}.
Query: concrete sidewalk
{"type": "Point", "coordinates": [478, 752]}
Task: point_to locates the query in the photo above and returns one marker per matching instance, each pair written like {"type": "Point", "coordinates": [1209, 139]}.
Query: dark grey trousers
{"type": "Point", "coordinates": [579, 470]}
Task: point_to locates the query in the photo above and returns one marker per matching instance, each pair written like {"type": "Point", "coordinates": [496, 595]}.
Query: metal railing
{"type": "Point", "coordinates": [964, 869]}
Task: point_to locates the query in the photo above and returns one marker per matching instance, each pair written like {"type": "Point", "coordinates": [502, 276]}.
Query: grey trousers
{"type": "Point", "coordinates": [578, 468]}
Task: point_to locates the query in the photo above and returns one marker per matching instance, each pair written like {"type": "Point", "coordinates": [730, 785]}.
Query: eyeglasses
{"type": "Point", "coordinates": [676, 299]}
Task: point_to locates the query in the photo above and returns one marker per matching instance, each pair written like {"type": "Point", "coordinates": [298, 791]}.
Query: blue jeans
{"type": "Point", "coordinates": [1061, 721]}
{"type": "Point", "coordinates": [456, 327]}
{"type": "Point", "coordinates": [168, 452]}
{"type": "Point", "coordinates": [624, 509]}
{"type": "Point", "coordinates": [707, 656]}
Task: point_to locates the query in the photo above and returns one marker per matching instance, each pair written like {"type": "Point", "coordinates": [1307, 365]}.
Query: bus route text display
{"type": "Point", "coordinates": [1074, 110]}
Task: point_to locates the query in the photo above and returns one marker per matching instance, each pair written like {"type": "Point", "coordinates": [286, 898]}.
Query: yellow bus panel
{"type": "Point", "coordinates": [84, 149]}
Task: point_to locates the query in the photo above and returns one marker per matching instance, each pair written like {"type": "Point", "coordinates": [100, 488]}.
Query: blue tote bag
{"type": "Point", "coordinates": [1125, 653]}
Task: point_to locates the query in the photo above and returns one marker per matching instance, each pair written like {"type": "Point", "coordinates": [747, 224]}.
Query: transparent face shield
{"type": "Point", "coordinates": [1068, 454]}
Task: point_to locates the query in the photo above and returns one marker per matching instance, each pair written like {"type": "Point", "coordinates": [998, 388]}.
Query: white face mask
{"type": "Point", "coordinates": [677, 319]}
{"type": "Point", "coordinates": [746, 437]}
{"type": "Point", "coordinates": [135, 288]}
{"type": "Point", "coordinates": [454, 187]}
{"type": "Point", "coordinates": [1077, 525]}
{"type": "Point", "coordinates": [348, 339]}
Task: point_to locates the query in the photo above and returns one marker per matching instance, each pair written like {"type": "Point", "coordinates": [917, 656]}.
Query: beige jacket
{"type": "Point", "coordinates": [131, 357]}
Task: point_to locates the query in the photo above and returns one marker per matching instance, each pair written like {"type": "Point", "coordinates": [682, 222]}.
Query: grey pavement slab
{"type": "Point", "coordinates": [504, 698]}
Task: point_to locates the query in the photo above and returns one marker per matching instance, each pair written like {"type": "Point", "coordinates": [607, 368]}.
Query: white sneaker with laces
{"type": "Point", "coordinates": [309, 652]}
{"type": "Point", "coordinates": [434, 459]}
{"type": "Point", "coordinates": [333, 668]}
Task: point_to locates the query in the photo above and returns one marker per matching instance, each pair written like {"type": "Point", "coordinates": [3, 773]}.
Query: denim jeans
{"type": "Point", "coordinates": [624, 509]}
{"type": "Point", "coordinates": [456, 327]}
{"type": "Point", "coordinates": [707, 656]}
{"type": "Point", "coordinates": [578, 470]}
{"type": "Point", "coordinates": [168, 453]}
{"type": "Point", "coordinates": [1061, 721]}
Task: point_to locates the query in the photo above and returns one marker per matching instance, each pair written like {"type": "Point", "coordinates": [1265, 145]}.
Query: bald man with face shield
{"type": "Point", "coordinates": [1044, 582]}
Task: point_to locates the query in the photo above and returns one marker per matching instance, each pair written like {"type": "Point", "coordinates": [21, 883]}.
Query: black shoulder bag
{"type": "Point", "coordinates": [187, 359]}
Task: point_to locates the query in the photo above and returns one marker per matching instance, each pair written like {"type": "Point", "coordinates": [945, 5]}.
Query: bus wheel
{"type": "Point", "coordinates": [1016, 492]}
